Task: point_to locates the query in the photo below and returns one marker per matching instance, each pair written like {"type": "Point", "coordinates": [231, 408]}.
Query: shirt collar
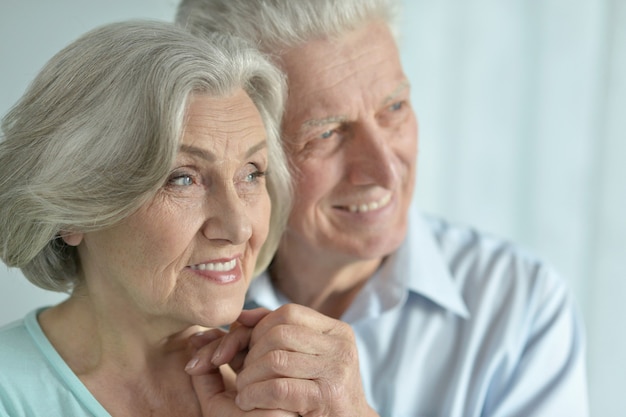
{"type": "Point", "coordinates": [428, 273]}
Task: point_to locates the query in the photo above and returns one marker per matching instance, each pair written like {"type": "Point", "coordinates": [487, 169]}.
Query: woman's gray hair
{"type": "Point", "coordinates": [95, 136]}
{"type": "Point", "coordinates": [277, 25]}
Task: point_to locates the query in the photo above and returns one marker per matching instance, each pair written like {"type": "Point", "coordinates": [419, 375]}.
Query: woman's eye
{"type": "Point", "coordinates": [182, 180]}
{"type": "Point", "coordinates": [255, 175]}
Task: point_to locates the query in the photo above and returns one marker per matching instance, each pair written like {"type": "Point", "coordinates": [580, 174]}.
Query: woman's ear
{"type": "Point", "coordinates": [72, 239]}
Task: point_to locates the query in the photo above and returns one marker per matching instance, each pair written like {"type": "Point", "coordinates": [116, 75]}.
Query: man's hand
{"type": "Point", "coordinates": [297, 359]}
{"type": "Point", "coordinates": [214, 387]}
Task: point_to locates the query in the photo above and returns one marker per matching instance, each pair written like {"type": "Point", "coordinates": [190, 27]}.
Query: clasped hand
{"type": "Point", "coordinates": [289, 362]}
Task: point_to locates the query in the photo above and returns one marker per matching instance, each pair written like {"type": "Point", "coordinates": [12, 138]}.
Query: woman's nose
{"type": "Point", "coordinates": [227, 218]}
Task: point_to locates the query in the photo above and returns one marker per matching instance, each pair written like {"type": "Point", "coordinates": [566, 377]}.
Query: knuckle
{"type": "Point", "coordinates": [341, 331]}
{"type": "Point", "coordinates": [349, 353]}
{"type": "Point", "coordinates": [288, 312]}
{"type": "Point", "coordinates": [345, 330]}
{"type": "Point", "coordinates": [282, 334]}
{"type": "Point", "coordinates": [278, 361]}
{"type": "Point", "coordinates": [281, 390]}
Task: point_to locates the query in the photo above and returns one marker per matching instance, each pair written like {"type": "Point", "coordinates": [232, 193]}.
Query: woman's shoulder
{"type": "Point", "coordinates": [19, 365]}
{"type": "Point", "coordinates": [34, 380]}
{"type": "Point", "coordinates": [15, 341]}
{"type": "Point", "coordinates": [19, 353]}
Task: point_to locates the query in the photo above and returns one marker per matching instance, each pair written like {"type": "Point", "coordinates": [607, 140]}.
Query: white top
{"type": "Point", "coordinates": [460, 324]}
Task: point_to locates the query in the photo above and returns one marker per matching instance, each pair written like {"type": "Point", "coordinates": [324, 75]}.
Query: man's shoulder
{"type": "Point", "coordinates": [475, 257]}
{"type": "Point", "coordinates": [457, 240]}
{"type": "Point", "coordinates": [452, 235]}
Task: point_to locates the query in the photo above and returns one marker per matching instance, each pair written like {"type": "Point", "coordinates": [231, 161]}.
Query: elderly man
{"type": "Point", "coordinates": [441, 320]}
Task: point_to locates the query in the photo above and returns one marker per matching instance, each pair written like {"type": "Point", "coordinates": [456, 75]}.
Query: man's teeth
{"type": "Point", "coordinates": [216, 266]}
{"type": "Point", "coordinates": [363, 208]}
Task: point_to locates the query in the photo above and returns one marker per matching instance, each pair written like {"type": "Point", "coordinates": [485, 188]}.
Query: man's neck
{"type": "Point", "coordinates": [325, 282]}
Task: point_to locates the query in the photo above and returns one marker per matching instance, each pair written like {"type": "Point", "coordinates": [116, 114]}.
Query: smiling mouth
{"type": "Point", "coordinates": [215, 266]}
{"type": "Point", "coordinates": [365, 207]}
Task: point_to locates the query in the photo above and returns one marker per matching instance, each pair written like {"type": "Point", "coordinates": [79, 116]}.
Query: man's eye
{"type": "Point", "coordinates": [327, 134]}
{"type": "Point", "coordinates": [396, 106]}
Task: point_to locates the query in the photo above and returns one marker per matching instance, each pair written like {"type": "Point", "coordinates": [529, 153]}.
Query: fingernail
{"type": "Point", "coordinates": [217, 355]}
{"type": "Point", "coordinates": [216, 358]}
{"type": "Point", "coordinates": [192, 364]}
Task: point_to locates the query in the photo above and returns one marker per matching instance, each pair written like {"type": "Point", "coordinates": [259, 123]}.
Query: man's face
{"type": "Point", "coordinates": [351, 135]}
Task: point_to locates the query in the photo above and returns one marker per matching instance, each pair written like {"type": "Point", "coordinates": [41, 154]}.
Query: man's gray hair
{"type": "Point", "coordinates": [276, 25]}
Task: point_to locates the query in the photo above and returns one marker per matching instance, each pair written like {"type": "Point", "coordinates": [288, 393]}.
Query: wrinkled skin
{"type": "Point", "coordinates": [292, 359]}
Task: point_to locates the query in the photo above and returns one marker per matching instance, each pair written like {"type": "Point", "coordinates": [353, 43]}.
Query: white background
{"type": "Point", "coordinates": [522, 110]}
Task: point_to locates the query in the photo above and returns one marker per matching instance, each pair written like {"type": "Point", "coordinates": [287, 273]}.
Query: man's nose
{"type": "Point", "coordinates": [371, 160]}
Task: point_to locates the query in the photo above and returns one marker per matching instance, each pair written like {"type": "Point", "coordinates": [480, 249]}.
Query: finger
{"type": "Point", "coordinates": [294, 314]}
{"type": "Point", "coordinates": [252, 317]}
{"type": "Point", "coordinates": [201, 339]}
{"type": "Point", "coordinates": [283, 364]}
{"type": "Point", "coordinates": [296, 338]}
{"type": "Point", "coordinates": [235, 342]}
{"type": "Point", "coordinates": [206, 343]}
{"type": "Point", "coordinates": [297, 395]}
{"type": "Point", "coordinates": [215, 401]}
{"type": "Point", "coordinates": [219, 349]}
{"type": "Point", "coordinates": [336, 366]}
{"type": "Point", "coordinates": [207, 385]}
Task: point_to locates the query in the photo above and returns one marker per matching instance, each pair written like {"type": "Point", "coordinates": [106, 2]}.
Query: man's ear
{"type": "Point", "coordinates": [72, 239]}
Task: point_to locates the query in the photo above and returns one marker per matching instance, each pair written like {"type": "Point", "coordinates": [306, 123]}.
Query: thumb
{"type": "Point", "coordinates": [251, 318]}
{"type": "Point", "coordinates": [207, 386]}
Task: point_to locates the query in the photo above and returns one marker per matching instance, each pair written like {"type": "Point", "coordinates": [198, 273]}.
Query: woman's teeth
{"type": "Point", "coordinates": [215, 266]}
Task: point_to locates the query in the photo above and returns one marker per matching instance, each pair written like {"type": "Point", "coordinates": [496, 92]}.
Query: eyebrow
{"type": "Point", "coordinates": [324, 121]}
{"type": "Point", "coordinates": [210, 157]}
{"type": "Point", "coordinates": [404, 85]}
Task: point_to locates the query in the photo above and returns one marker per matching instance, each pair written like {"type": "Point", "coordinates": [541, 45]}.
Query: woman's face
{"type": "Point", "coordinates": [189, 253]}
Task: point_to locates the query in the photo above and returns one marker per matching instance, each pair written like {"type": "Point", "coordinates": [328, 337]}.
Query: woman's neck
{"type": "Point", "coordinates": [125, 367]}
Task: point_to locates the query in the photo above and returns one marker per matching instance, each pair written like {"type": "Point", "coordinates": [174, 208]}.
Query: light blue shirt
{"type": "Point", "coordinates": [460, 324]}
{"type": "Point", "coordinates": [34, 379]}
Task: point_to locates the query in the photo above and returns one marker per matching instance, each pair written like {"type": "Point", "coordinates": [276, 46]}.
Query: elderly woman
{"type": "Point", "coordinates": [142, 174]}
